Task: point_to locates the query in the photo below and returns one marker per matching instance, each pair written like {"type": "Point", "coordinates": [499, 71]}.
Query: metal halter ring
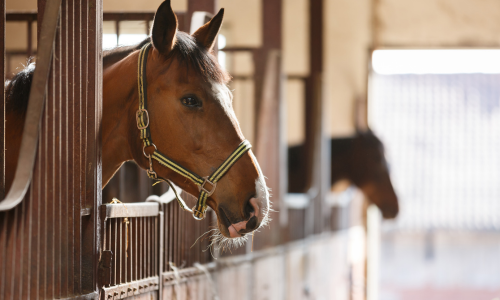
{"type": "Point", "coordinates": [144, 148]}
{"type": "Point", "coordinates": [203, 214]}
{"type": "Point", "coordinates": [202, 186]}
{"type": "Point", "coordinates": [142, 110]}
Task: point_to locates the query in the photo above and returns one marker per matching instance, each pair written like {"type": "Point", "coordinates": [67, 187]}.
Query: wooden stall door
{"type": "Point", "coordinates": [49, 241]}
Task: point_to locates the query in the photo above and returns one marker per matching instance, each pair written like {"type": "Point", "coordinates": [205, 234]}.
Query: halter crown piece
{"type": "Point", "coordinates": [206, 185]}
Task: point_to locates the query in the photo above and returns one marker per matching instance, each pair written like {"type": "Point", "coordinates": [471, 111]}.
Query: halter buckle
{"type": "Point", "coordinates": [202, 186]}
{"type": "Point", "coordinates": [140, 111]}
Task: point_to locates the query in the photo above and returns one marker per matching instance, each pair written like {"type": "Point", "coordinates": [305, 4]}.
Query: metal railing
{"type": "Point", "coordinates": [132, 243]}
{"type": "Point", "coordinates": [145, 244]}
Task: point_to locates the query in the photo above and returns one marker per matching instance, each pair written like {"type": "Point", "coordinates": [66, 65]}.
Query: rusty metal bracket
{"type": "Point", "coordinates": [27, 153]}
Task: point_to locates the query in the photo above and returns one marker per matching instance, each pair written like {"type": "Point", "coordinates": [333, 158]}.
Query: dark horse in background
{"type": "Point", "coordinates": [359, 159]}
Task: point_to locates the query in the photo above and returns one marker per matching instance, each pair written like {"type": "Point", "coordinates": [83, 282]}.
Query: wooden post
{"type": "Point", "coordinates": [210, 6]}
{"type": "Point", "coordinates": [314, 152]}
{"type": "Point", "coordinates": [270, 144]}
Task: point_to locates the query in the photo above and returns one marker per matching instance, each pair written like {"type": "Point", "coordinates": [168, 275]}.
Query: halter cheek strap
{"type": "Point", "coordinates": [206, 185]}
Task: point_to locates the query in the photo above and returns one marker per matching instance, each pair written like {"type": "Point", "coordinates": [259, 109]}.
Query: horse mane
{"type": "Point", "coordinates": [17, 91]}
{"type": "Point", "coordinates": [367, 138]}
{"type": "Point", "coordinates": [112, 56]}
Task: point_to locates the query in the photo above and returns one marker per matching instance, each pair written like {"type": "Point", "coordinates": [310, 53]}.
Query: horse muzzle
{"type": "Point", "coordinates": [253, 222]}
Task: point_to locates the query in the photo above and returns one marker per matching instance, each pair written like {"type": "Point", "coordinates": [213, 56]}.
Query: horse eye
{"type": "Point", "coordinates": [190, 102]}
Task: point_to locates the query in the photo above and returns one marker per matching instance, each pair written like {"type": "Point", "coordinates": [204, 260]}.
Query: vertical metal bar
{"type": "Point", "coordinates": [117, 29]}
{"type": "Point", "coordinates": [95, 26]}
{"type": "Point", "coordinates": [147, 256]}
{"type": "Point", "coordinates": [70, 132]}
{"type": "Point", "coordinates": [147, 26]}
{"type": "Point", "coordinates": [108, 233]}
{"type": "Point", "coordinates": [160, 255]}
{"type": "Point", "coordinates": [141, 265]}
{"type": "Point", "coordinates": [2, 106]}
{"type": "Point", "coordinates": [156, 244]}
{"type": "Point", "coordinates": [65, 163]}
{"type": "Point", "coordinates": [144, 246]}
{"type": "Point", "coordinates": [136, 251]}
{"type": "Point", "coordinates": [175, 240]}
{"type": "Point", "coordinates": [30, 38]}
{"type": "Point", "coordinates": [4, 216]}
{"type": "Point", "coordinates": [56, 166]}
{"type": "Point", "coordinates": [130, 252]}
{"type": "Point", "coordinates": [116, 261]}
{"type": "Point", "coordinates": [120, 251]}
{"type": "Point", "coordinates": [127, 247]}
{"type": "Point", "coordinates": [78, 162]}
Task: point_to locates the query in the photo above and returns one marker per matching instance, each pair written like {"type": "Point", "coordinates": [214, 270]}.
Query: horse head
{"type": "Point", "coordinates": [371, 173]}
{"type": "Point", "coordinates": [192, 122]}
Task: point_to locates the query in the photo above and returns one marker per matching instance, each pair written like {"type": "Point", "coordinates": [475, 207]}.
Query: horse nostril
{"type": "Point", "coordinates": [251, 224]}
{"type": "Point", "coordinates": [249, 209]}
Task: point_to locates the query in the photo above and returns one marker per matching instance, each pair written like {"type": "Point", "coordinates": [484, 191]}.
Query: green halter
{"type": "Point", "coordinates": [142, 118]}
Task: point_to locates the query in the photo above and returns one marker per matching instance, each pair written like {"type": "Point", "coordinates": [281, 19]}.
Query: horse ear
{"type": "Point", "coordinates": [206, 34]}
{"type": "Point", "coordinates": [164, 28]}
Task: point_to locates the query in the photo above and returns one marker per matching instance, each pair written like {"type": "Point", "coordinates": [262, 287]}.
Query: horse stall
{"type": "Point", "coordinates": [65, 237]}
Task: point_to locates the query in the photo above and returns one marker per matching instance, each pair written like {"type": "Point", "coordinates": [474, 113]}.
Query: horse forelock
{"type": "Point", "coordinates": [186, 50]}
{"type": "Point", "coordinates": [195, 57]}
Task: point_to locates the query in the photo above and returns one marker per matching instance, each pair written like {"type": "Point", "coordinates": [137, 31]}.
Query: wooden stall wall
{"type": "Point", "coordinates": [49, 241]}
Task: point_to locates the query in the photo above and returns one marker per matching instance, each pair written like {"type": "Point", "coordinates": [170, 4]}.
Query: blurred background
{"type": "Point", "coordinates": [423, 76]}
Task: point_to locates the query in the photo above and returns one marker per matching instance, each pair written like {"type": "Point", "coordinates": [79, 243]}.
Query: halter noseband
{"type": "Point", "coordinates": [142, 118]}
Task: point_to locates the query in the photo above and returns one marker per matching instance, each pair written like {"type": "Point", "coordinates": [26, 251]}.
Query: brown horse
{"type": "Point", "coordinates": [191, 120]}
{"type": "Point", "coordinates": [359, 159]}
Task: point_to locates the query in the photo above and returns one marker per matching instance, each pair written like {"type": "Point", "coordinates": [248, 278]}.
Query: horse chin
{"type": "Point", "coordinates": [224, 243]}
{"type": "Point", "coordinates": [221, 239]}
